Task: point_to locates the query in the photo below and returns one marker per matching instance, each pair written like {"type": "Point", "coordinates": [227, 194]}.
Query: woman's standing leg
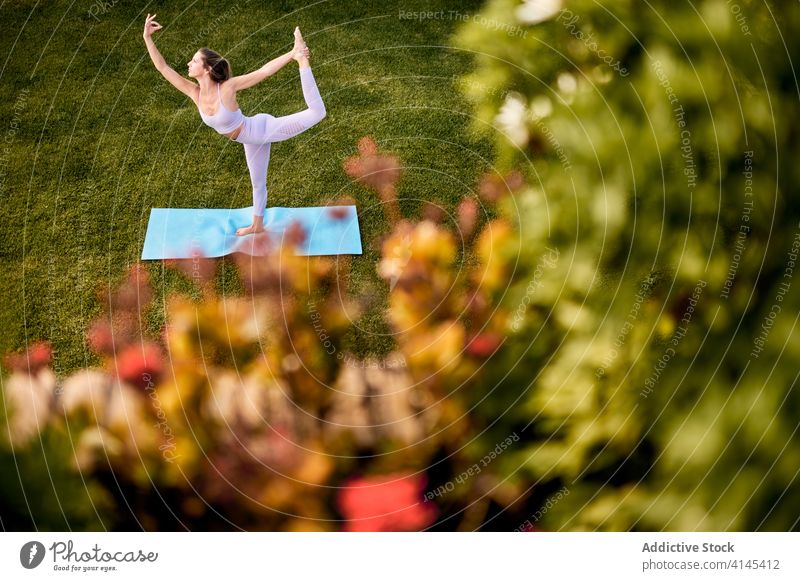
{"type": "Point", "coordinates": [256, 152]}
{"type": "Point", "coordinates": [257, 156]}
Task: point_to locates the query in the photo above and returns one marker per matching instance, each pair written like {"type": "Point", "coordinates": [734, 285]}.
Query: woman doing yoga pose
{"type": "Point", "coordinates": [214, 93]}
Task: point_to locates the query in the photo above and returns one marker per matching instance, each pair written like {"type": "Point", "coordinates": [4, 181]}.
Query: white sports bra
{"type": "Point", "coordinates": [224, 120]}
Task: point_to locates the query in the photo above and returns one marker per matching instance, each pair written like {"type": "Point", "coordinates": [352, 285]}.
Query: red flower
{"type": "Point", "coordinates": [467, 216]}
{"type": "Point", "coordinates": [373, 169]}
{"type": "Point", "coordinates": [484, 344]}
{"type": "Point", "coordinates": [493, 187]}
{"type": "Point", "coordinates": [135, 292]}
{"type": "Point", "coordinates": [295, 234]}
{"type": "Point", "coordinates": [433, 212]}
{"type": "Point", "coordinates": [140, 365]}
{"type": "Point", "coordinates": [338, 213]}
{"type": "Point", "coordinates": [101, 338]}
{"type": "Point", "coordinates": [514, 180]}
{"type": "Point", "coordinates": [386, 503]}
{"type": "Point", "coordinates": [198, 268]}
{"type": "Point", "coordinates": [367, 146]}
{"type": "Point", "coordinates": [110, 334]}
{"type": "Point", "coordinates": [31, 361]}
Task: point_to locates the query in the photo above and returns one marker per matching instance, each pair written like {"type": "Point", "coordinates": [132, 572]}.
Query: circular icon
{"type": "Point", "coordinates": [31, 554]}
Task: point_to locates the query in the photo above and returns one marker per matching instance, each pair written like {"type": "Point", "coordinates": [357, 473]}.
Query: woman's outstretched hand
{"type": "Point", "coordinates": [150, 26]}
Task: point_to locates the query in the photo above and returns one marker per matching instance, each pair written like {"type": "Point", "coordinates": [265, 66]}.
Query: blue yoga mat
{"type": "Point", "coordinates": [211, 232]}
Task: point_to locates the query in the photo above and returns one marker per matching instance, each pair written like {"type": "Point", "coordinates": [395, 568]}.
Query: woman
{"type": "Point", "coordinates": [214, 93]}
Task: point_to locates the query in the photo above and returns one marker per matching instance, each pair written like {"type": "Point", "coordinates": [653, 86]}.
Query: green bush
{"type": "Point", "coordinates": [657, 141]}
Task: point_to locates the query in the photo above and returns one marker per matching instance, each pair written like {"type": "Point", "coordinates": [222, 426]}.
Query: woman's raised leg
{"type": "Point", "coordinates": [282, 128]}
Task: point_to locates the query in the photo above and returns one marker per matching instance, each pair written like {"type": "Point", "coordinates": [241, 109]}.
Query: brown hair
{"type": "Point", "coordinates": [220, 67]}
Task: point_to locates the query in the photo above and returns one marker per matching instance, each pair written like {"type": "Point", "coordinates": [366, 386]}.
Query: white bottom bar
{"type": "Point", "coordinates": [407, 556]}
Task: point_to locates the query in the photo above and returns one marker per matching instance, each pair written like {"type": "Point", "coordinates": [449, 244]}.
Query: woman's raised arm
{"type": "Point", "coordinates": [183, 85]}
{"type": "Point", "coordinates": [272, 67]}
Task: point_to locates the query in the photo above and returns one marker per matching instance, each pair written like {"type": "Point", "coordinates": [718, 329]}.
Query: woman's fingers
{"type": "Point", "coordinates": [150, 25]}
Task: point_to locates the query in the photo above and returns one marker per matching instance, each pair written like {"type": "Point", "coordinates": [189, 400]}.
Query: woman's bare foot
{"type": "Point", "coordinates": [254, 228]}
{"type": "Point", "coordinates": [300, 52]}
{"type": "Point", "coordinates": [249, 230]}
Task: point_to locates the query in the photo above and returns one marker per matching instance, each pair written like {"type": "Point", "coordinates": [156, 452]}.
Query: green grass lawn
{"type": "Point", "coordinates": [93, 137]}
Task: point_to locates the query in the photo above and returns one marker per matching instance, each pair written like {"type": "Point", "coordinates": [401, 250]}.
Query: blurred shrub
{"type": "Point", "coordinates": [247, 412]}
{"type": "Point", "coordinates": [655, 231]}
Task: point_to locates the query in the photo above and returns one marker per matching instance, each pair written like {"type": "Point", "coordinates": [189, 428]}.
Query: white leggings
{"type": "Point", "coordinates": [262, 129]}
